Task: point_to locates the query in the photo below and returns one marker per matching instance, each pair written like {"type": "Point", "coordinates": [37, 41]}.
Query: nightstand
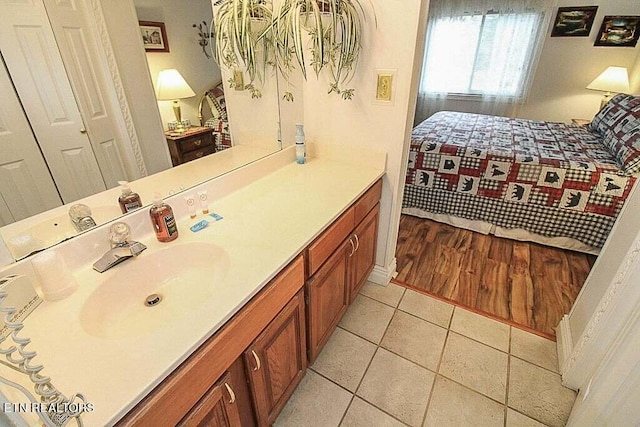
{"type": "Point", "coordinates": [193, 143]}
{"type": "Point", "coordinates": [581, 122]}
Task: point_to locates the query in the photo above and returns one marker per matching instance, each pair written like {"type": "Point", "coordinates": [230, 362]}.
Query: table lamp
{"type": "Point", "coordinates": [612, 80]}
{"type": "Point", "coordinates": [172, 87]}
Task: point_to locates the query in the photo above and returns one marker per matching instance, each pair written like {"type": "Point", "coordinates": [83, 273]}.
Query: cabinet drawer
{"type": "Point", "coordinates": [365, 203]}
{"type": "Point", "coordinates": [328, 242]}
{"type": "Point", "coordinates": [198, 143]}
{"type": "Point", "coordinates": [192, 155]}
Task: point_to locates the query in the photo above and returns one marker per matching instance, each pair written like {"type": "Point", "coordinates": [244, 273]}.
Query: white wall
{"type": "Point", "coordinates": [363, 123]}
{"type": "Point", "coordinates": [568, 64]}
{"type": "Point", "coordinates": [185, 54]}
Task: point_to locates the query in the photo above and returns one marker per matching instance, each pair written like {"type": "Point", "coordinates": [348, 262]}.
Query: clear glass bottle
{"type": "Point", "coordinates": [163, 221]}
{"type": "Point", "coordinates": [129, 200]}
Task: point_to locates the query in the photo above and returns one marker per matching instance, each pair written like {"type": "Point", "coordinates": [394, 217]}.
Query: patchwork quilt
{"type": "Point", "coordinates": [552, 179]}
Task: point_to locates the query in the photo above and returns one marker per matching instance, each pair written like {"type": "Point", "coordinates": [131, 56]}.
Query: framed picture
{"type": "Point", "coordinates": [574, 21]}
{"type": "Point", "coordinates": [154, 36]}
{"type": "Point", "coordinates": [619, 31]}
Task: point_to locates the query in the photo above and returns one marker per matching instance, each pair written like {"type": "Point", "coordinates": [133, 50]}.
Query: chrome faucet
{"type": "Point", "coordinates": [80, 216]}
{"type": "Point", "coordinates": [121, 247]}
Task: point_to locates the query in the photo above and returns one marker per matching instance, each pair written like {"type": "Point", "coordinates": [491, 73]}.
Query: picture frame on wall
{"type": "Point", "coordinates": [574, 21]}
{"type": "Point", "coordinates": [154, 36]}
{"type": "Point", "coordinates": [619, 31]}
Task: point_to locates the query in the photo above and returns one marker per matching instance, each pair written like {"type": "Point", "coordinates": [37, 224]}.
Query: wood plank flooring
{"type": "Point", "coordinates": [524, 283]}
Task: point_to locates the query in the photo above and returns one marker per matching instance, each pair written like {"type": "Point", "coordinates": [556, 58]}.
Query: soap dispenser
{"type": "Point", "coordinates": [301, 153]}
{"type": "Point", "coordinates": [164, 223]}
{"type": "Point", "coordinates": [128, 200]}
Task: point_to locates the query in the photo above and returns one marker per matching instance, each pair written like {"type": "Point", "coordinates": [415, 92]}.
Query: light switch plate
{"type": "Point", "coordinates": [238, 79]}
{"type": "Point", "coordinates": [384, 81]}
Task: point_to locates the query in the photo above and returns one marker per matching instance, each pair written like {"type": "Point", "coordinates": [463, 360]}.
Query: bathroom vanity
{"type": "Point", "coordinates": [249, 301]}
{"type": "Point", "coordinates": [272, 337]}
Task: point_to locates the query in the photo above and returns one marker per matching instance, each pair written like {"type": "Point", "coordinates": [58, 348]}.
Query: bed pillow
{"type": "Point", "coordinates": [617, 109]}
{"type": "Point", "coordinates": [624, 143]}
{"type": "Point", "coordinates": [217, 104]}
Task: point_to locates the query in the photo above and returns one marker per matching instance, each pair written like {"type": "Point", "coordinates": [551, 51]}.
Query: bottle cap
{"type": "Point", "coordinates": [125, 187]}
{"type": "Point", "coordinates": [157, 199]}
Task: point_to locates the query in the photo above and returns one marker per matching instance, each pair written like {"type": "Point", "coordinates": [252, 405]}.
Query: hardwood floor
{"type": "Point", "coordinates": [525, 283]}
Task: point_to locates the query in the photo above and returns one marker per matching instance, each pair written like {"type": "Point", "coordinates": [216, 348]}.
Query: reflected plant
{"type": "Point", "coordinates": [334, 32]}
{"type": "Point", "coordinates": [243, 35]}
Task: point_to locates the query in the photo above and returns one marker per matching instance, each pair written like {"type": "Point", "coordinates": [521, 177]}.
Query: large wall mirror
{"type": "Point", "coordinates": [70, 130]}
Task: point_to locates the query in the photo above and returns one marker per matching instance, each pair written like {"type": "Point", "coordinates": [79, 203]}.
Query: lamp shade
{"type": "Point", "coordinates": [613, 79]}
{"type": "Point", "coordinates": [171, 86]}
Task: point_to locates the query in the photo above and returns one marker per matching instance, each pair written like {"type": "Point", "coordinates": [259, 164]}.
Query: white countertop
{"type": "Point", "coordinates": [266, 224]}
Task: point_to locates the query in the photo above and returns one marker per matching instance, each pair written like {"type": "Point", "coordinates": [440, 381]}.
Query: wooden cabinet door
{"type": "Point", "coordinates": [277, 361]}
{"type": "Point", "coordinates": [328, 298]}
{"type": "Point", "coordinates": [364, 257]}
{"type": "Point", "coordinates": [217, 408]}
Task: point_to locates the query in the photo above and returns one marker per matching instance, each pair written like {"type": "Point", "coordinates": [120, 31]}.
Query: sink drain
{"type": "Point", "coordinates": [152, 300]}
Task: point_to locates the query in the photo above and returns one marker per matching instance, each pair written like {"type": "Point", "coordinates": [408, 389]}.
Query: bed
{"type": "Point", "coordinates": [553, 183]}
{"type": "Point", "coordinates": [212, 113]}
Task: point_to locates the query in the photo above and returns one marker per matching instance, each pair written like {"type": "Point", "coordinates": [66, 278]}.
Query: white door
{"type": "Point", "coordinates": [78, 47]}
{"type": "Point", "coordinates": [34, 63]}
{"type": "Point", "coordinates": [26, 187]}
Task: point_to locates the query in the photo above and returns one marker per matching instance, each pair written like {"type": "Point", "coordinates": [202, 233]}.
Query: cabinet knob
{"type": "Point", "coordinates": [257, 359]}
{"type": "Point", "coordinates": [232, 395]}
{"type": "Point", "coordinates": [83, 130]}
{"type": "Point", "coordinates": [353, 246]}
{"type": "Point", "coordinates": [199, 154]}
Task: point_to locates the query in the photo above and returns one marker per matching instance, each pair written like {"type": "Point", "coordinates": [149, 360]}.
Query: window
{"type": "Point", "coordinates": [487, 54]}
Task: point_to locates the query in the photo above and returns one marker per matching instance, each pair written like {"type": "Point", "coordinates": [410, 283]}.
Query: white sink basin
{"type": "Point", "coordinates": [185, 276]}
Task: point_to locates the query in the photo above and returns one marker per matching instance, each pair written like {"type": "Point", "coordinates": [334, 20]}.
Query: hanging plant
{"type": "Point", "coordinates": [244, 40]}
{"type": "Point", "coordinates": [334, 32]}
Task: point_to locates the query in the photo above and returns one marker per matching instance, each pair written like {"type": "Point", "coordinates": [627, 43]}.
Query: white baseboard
{"type": "Point", "coordinates": [564, 342]}
{"type": "Point", "coordinates": [383, 275]}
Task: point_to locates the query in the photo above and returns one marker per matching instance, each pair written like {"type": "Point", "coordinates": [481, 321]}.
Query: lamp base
{"type": "Point", "coordinates": [178, 113]}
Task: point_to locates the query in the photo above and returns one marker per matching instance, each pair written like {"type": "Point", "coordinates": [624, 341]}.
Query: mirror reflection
{"type": "Point", "coordinates": [71, 130]}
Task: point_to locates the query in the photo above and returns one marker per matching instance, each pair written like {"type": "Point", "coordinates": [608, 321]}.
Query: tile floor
{"type": "Point", "coordinates": [402, 358]}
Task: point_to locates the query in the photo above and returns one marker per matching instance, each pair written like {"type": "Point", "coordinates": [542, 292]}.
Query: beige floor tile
{"type": "Point", "coordinates": [415, 339]}
{"type": "Point", "coordinates": [481, 328]}
{"type": "Point", "coordinates": [516, 419]}
{"type": "Point", "coordinates": [367, 318]}
{"type": "Point", "coordinates": [454, 405]}
{"type": "Point", "coordinates": [316, 402]}
{"type": "Point", "coordinates": [362, 414]}
{"type": "Point", "coordinates": [390, 294]}
{"type": "Point", "coordinates": [345, 358]}
{"type": "Point", "coordinates": [426, 307]}
{"type": "Point", "coordinates": [538, 393]}
{"type": "Point", "coordinates": [475, 365]}
{"type": "Point", "coordinates": [532, 348]}
{"type": "Point", "coordinates": [397, 386]}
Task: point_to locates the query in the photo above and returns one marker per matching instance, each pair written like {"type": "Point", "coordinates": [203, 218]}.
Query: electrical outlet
{"type": "Point", "coordinates": [384, 87]}
{"type": "Point", "coordinates": [238, 79]}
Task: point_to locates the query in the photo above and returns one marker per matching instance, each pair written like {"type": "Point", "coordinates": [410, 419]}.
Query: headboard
{"type": "Point", "coordinates": [212, 104]}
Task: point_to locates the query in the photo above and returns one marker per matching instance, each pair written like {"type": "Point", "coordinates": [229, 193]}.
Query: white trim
{"type": "Point", "coordinates": [132, 152]}
{"type": "Point", "coordinates": [383, 275]}
{"type": "Point", "coordinates": [564, 341]}
{"type": "Point", "coordinates": [612, 314]}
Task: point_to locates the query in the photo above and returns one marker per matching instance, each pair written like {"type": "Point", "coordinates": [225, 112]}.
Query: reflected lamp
{"type": "Point", "coordinates": [173, 87]}
{"type": "Point", "coordinates": [612, 80]}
